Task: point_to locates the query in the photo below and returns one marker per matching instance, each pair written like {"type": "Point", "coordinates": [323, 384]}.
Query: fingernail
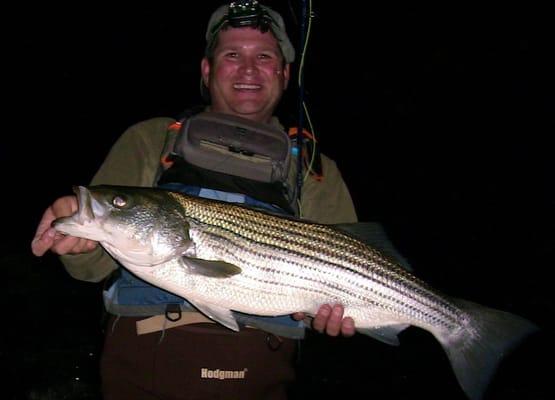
{"type": "Point", "coordinates": [337, 311]}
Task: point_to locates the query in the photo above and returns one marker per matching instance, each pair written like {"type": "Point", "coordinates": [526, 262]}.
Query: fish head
{"type": "Point", "coordinates": [137, 226]}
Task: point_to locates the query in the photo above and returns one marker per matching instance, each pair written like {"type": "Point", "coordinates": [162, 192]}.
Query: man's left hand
{"type": "Point", "coordinates": [330, 320]}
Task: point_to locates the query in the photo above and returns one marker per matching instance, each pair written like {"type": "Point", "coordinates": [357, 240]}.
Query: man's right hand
{"type": "Point", "coordinates": [47, 238]}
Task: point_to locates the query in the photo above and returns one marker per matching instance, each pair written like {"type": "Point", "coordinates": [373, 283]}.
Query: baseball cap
{"type": "Point", "coordinates": [259, 16]}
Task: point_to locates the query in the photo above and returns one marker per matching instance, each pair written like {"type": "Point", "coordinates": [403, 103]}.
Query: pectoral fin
{"type": "Point", "coordinates": [219, 314]}
{"type": "Point", "coordinates": [213, 269]}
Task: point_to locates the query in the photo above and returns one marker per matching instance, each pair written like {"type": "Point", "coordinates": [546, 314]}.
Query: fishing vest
{"type": "Point", "coordinates": [223, 158]}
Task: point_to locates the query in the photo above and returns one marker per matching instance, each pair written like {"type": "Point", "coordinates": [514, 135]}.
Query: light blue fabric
{"type": "Point", "coordinates": [222, 196]}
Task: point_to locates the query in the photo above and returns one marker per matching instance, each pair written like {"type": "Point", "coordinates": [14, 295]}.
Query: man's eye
{"type": "Point", "coordinates": [264, 56]}
{"type": "Point", "coordinates": [231, 54]}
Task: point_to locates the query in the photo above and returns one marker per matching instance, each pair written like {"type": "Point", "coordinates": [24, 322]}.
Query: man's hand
{"type": "Point", "coordinates": [330, 320]}
{"type": "Point", "coordinates": [47, 238]}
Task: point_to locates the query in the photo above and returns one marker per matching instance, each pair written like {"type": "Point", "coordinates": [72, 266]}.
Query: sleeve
{"type": "Point", "coordinates": [327, 201]}
{"type": "Point", "coordinates": [132, 161]}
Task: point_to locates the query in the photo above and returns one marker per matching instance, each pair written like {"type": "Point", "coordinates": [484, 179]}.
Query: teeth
{"type": "Point", "coordinates": [246, 86]}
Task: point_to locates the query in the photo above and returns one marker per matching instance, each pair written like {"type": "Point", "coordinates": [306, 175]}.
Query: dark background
{"type": "Point", "coordinates": [440, 120]}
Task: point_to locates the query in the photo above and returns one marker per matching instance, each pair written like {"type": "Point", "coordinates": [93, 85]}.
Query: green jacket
{"type": "Point", "coordinates": [134, 160]}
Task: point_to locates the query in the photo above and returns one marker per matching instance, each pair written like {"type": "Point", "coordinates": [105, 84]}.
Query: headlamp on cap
{"type": "Point", "coordinates": [248, 13]}
{"type": "Point", "coordinates": [245, 13]}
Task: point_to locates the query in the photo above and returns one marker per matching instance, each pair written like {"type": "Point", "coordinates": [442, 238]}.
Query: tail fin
{"type": "Point", "coordinates": [476, 351]}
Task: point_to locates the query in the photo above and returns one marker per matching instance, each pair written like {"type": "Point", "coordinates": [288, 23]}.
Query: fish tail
{"type": "Point", "coordinates": [476, 350]}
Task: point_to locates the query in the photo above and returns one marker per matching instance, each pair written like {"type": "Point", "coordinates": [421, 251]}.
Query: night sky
{"type": "Point", "coordinates": [440, 119]}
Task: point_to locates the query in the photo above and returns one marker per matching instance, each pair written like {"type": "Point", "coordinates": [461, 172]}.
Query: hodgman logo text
{"type": "Point", "coordinates": [221, 374]}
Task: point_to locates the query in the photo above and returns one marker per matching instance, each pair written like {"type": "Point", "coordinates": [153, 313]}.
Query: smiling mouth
{"type": "Point", "coordinates": [246, 86]}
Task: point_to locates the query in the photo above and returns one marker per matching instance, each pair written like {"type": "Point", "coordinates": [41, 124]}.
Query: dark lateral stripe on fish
{"type": "Point", "coordinates": [433, 300]}
{"type": "Point", "coordinates": [261, 234]}
{"type": "Point", "coordinates": [425, 295]}
{"type": "Point", "coordinates": [340, 289]}
{"type": "Point", "coordinates": [244, 218]}
{"type": "Point", "coordinates": [436, 313]}
{"type": "Point", "coordinates": [389, 302]}
{"type": "Point", "coordinates": [241, 220]}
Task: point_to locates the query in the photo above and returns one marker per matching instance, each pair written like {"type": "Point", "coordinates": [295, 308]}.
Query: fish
{"type": "Point", "coordinates": [224, 257]}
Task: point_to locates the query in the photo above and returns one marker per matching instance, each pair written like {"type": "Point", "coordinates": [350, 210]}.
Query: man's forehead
{"type": "Point", "coordinates": [247, 38]}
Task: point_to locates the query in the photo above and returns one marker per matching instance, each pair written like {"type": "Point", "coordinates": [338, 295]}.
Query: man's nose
{"type": "Point", "coordinates": [248, 66]}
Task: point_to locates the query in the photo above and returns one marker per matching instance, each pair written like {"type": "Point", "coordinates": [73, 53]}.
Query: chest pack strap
{"type": "Point", "coordinates": [273, 193]}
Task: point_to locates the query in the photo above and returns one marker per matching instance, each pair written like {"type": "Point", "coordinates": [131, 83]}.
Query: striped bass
{"type": "Point", "coordinates": [223, 257]}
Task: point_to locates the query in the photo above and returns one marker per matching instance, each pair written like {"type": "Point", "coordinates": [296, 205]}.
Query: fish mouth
{"type": "Point", "coordinates": [88, 209]}
{"type": "Point", "coordinates": [85, 211]}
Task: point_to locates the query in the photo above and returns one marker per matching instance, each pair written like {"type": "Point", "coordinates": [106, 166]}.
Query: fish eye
{"type": "Point", "coordinates": [119, 201]}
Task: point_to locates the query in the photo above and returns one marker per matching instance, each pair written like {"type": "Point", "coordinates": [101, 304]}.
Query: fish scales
{"type": "Point", "coordinates": [323, 244]}
{"type": "Point", "coordinates": [361, 254]}
{"type": "Point", "coordinates": [283, 234]}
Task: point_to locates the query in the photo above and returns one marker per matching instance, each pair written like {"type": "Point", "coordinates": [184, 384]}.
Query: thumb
{"type": "Point", "coordinates": [44, 235]}
{"type": "Point", "coordinates": [41, 243]}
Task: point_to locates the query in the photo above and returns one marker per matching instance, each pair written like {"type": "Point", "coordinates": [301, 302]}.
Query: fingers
{"type": "Point", "coordinates": [298, 316]}
{"type": "Point", "coordinates": [333, 326]}
{"type": "Point", "coordinates": [348, 327]}
{"type": "Point", "coordinates": [45, 234]}
{"type": "Point", "coordinates": [71, 245]}
{"type": "Point", "coordinates": [321, 319]}
{"type": "Point", "coordinates": [47, 238]}
{"type": "Point", "coordinates": [65, 206]}
{"type": "Point", "coordinates": [43, 241]}
{"type": "Point", "coordinates": [60, 244]}
{"type": "Point", "coordinates": [330, 320]}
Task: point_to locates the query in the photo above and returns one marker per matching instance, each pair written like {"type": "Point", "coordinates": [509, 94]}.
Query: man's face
{"type": "Point", "coordinates": [247, 76]}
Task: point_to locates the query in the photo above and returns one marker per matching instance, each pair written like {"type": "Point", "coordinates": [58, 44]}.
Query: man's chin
{"type": "Point", "coordinates": [251, 111]}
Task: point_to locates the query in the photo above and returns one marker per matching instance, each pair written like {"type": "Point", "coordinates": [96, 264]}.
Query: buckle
{"type": "Point", "coordinates": [173, 309]}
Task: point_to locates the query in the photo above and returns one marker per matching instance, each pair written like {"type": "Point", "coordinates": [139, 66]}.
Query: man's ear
{"type": "Point", "coordinates": [205, 70]}
{"type": "Point", "coordinates": [286, 75]}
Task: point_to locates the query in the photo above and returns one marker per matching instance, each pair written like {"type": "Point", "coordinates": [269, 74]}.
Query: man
{"type": "Point", "coordinates": [246, 70]}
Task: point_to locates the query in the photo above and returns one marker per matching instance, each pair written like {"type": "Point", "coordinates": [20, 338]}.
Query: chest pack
{"type": "Point", "coordinates": [234, 146]}
{"type": "Point", "coordinates": [231, 154]}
